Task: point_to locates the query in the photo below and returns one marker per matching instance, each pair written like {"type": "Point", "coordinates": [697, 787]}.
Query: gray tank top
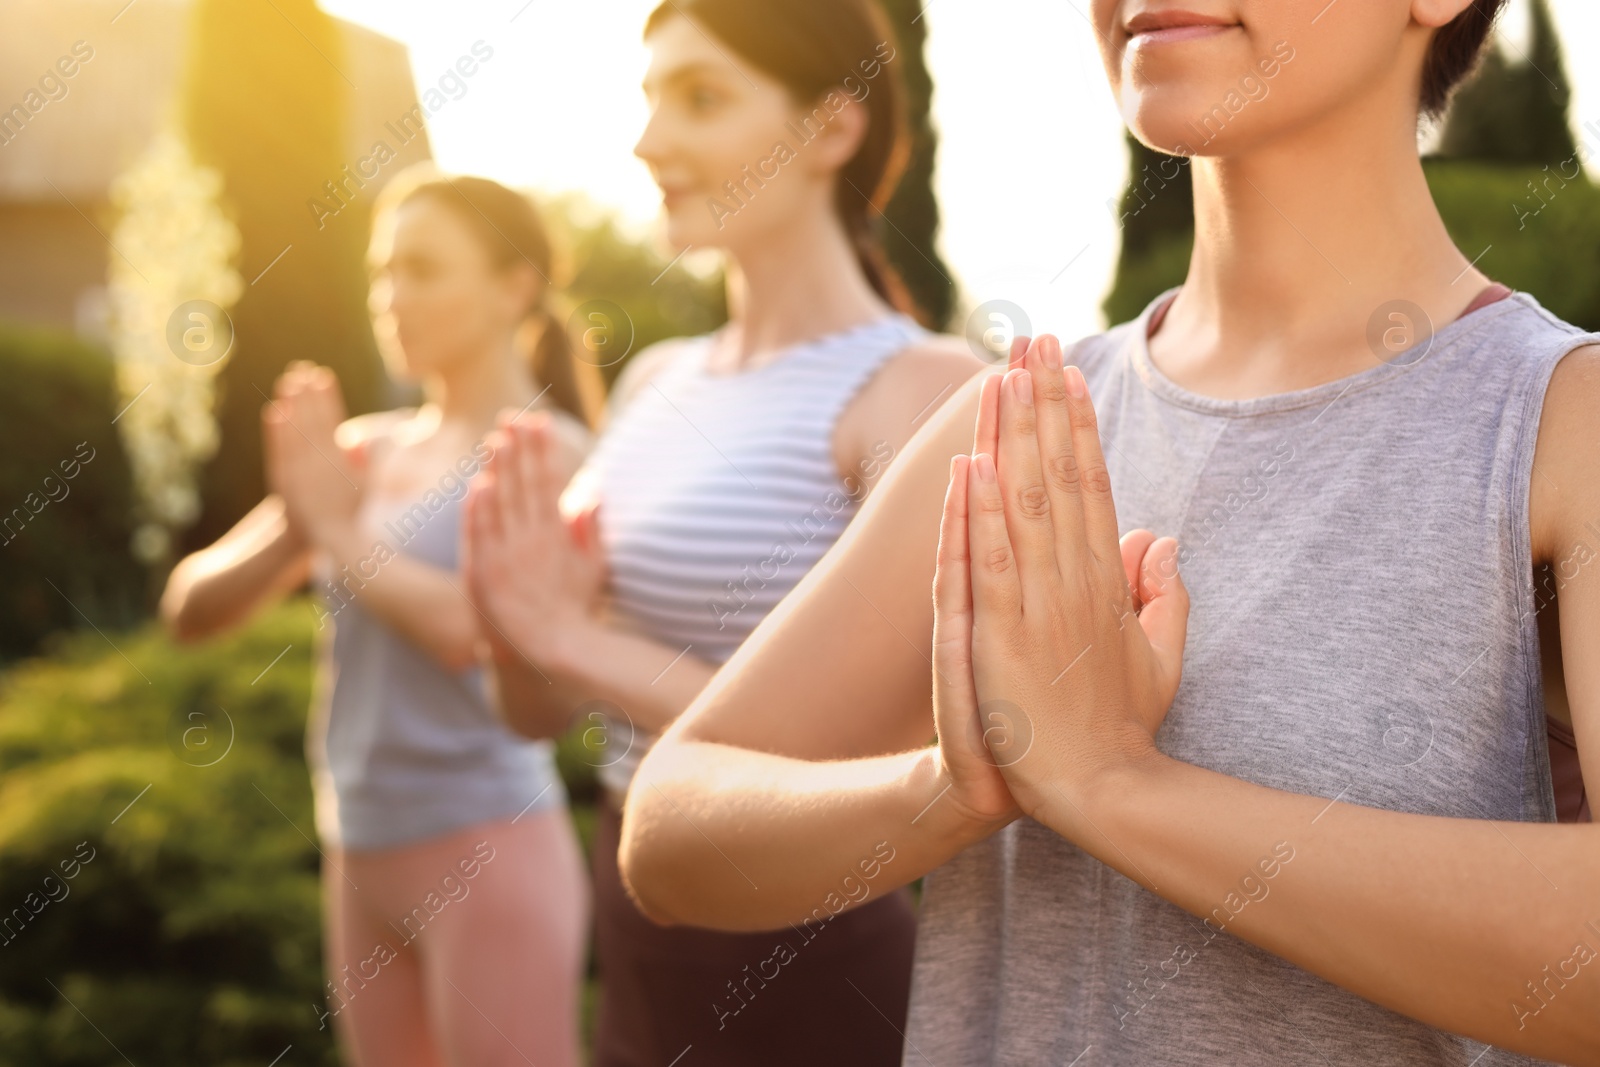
{"type": "Point", "coordinates": [400, 748]}
{"type": "Point", "coordinates": [1362, 627]}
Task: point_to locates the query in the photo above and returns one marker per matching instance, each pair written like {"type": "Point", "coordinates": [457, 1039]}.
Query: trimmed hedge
{"type": "Point", "coordinates": [192, 936]}
{"type": "Point", "coordinates": [192, 933]}
{"type": "Point", "coordinates": [66, 495]}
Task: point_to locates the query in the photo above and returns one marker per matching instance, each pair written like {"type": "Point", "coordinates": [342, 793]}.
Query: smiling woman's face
{"type": "Point", "coordinates": [716, 120]}
{"type": "Point", "coordinates": [1219, 77]}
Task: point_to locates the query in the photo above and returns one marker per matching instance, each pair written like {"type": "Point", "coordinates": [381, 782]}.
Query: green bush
{"type": "Point", "coordinates": [1141, 278]}
{"type": "Point", "coordinates": [1552, 252]}
{"type": "Point", "coordinates": [71, 533]}
{"type": "Point", "coordinates": [192, 935]}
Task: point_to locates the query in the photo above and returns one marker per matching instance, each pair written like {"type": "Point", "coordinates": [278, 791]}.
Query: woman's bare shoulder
{"type": "Point", "coordinates": [638, 371]}
{"type": "Point", "coordinates": [904, 395]}
{"type": "Point", "coordinates": [935, 359]}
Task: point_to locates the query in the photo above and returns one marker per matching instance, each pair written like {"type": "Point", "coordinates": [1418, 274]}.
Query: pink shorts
{"type": "Point", "coordinates": [466, 948]}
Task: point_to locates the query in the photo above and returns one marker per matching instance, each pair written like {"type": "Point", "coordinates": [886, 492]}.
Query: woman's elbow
{"type": "Point", "coordinates": [179, 615]}
{"type": "Point", "coordinates": [644, 860]}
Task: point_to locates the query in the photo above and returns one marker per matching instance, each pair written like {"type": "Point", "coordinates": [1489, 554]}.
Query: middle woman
{"type": "Point", "coordinates": [728, 466]}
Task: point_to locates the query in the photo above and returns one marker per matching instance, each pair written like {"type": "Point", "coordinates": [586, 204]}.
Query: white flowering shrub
{"type": "Point", "coordinates": [173, 263]}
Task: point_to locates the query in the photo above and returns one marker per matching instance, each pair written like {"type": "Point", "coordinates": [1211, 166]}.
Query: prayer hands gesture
{"type": "Point", "coordinates": [1057, 651]}
{"type": "Point", "coordinates": [320, 481]}
{"type": "Point", "coordinates": [535, 577]}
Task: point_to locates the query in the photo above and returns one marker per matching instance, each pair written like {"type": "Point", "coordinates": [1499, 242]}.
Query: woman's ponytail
{"type": "Point", "coordinates": [574, 385]}
{"type": "Point", "coordinates": [881, 275]}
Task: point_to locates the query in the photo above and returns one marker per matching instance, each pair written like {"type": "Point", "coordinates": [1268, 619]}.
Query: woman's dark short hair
{"type": "Point", "coordinates": [1454, 53]}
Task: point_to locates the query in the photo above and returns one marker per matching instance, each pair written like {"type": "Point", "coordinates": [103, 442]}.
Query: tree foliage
{"type": "Point", "coordinates": [1515, 110]}
{"type": "Point", "coordinates": [265, 102]}
{"type": "Point", "coordinates": [911, 224]}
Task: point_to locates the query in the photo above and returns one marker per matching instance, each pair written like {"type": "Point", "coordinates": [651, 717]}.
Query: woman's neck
{"type": "Point", "coordinates": [470, 395]}
{"type": "Point", "coordinates": [1301, 246]}
{"type": "Point", "coordinates": [794, 284]}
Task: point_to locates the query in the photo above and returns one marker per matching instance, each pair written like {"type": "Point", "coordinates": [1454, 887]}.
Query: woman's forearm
{"type": "Point", "coordinates": [648, 682]}
{"type": "Point", "coordinates": [733, 839]}
{"type": "Point", "coordinates": [424, 604]}
{"type": "Point", "coordinates": [1488, 929]}
{"type": "Point", "coordinates": [261, 559]}
{"type": "Point", "coordinates": [652, 682]}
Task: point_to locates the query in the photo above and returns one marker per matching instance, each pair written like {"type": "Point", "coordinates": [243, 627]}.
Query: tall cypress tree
{"type": "Point", "coordinates": [1156, 214]}
{"type": "Point", "coordinates": [265, 101]}
{"type": "Point", "coordinates": [913, 213]}
{"type": "Point", "coordinates": [1515, 110]}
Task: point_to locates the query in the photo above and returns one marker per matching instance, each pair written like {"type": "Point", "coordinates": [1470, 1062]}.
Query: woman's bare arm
{"type": "Point", "coordinates": [259, 561]}
{"type": "Point", "coordinates": [653, 683]}
{"type": "Point", "coordinates": [735, 794]}
{"type": "Point", "coordinates": [542, 671]}
{"type": "Point", "coordinates": [596, 661]}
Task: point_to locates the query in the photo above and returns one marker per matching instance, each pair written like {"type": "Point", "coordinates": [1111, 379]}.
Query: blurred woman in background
{"type": "Point", "coordinates": [454, 890]}
{"type": "Point", "coordinates": [730, 463]}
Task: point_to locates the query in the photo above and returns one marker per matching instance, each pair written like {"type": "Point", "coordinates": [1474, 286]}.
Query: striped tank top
{"type": "Point", "coordinates": [1364, 626]}
{"type": "Point", "coordinates": [718, 492]}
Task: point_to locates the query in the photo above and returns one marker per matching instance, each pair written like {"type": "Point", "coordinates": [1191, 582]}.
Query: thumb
{"type": "Point", "coordinates": [358, 454]}
{"type": "Point", "coordinates": [586, 527]}
{"type": "Point", "coordinates": [1135, 544]}
{"type": "Point", "coordinates": [1165, 617]}
{"type": "Point", "coordinates": [955, 700]}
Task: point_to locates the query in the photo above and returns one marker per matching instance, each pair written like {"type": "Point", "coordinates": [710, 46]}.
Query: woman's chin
{"type": "Point", "coordinates": [411, 364]}
{"type": "Point", "coordinates": [1165, 125]}
{"type": "Point", "coordinates": [689, 227]}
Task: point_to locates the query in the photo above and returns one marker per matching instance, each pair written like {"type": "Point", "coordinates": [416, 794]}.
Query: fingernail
{"type": "Point", "coordinates": [1052, 354]}
{"type": "Point", "coordinates": [1024, 388]}
{"type": "Point", "coordinates": [985, 465]}
{"type": "Point", "coordinates": [1075, 383]}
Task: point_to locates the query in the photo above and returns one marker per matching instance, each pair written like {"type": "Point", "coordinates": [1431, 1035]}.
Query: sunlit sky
{"type": "Point", "coordinates": [1029, 139]}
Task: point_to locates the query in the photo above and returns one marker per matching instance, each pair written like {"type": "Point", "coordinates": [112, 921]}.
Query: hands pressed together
{"type": "Point", "coordinates": [1057, 649]}
{"type": "Point", "coordinates": [320, 481]}
{"type": "Point", "coordinates": [535, 577]}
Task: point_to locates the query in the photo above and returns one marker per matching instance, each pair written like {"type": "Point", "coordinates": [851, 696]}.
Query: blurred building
{"type": "Point", "coordinates": [84, 85]}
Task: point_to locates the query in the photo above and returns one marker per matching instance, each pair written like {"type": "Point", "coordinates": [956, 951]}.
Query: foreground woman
{"type": "Point", "coordinates": [1314, 849]}
{"type": "Point", "coordinates": [455, 899]}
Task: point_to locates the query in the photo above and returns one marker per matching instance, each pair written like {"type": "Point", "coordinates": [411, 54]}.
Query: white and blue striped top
{"type": "Point", "coordinates": [718, 492]}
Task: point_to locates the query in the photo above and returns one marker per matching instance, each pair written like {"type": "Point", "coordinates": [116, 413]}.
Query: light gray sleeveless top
{"type": "Point", "coordinates": [400, 748]}
{"type": "Point", "coordinates": [718, 492]}
{"type": "Point", "coordinates": [1362, 628]}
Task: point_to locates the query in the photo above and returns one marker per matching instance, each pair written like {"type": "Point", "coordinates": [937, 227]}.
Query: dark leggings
{"type": "Point", "coordinates": [830, 994]}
